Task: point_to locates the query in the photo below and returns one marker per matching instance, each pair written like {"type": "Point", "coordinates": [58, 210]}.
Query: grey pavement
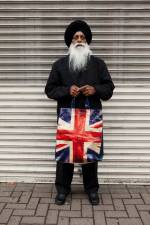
{"type": "Point", "coordinates": [30, 203]}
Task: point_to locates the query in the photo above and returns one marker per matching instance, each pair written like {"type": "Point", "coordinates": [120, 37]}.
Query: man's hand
{"type": "Point", "coordinates": [74, 90]}
{"type": "Point", "coordinates": [87, 90]}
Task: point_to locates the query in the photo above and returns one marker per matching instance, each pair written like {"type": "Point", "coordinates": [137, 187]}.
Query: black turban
{"type": "Point", "coordinates": [75, 26]}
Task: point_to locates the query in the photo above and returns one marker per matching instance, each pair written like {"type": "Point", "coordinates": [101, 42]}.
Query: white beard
{"type": "Point", "coordinates": [79, 55]}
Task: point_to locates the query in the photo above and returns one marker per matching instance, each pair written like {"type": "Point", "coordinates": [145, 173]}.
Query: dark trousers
{"type": "Point", "coordinates": [64, 175]}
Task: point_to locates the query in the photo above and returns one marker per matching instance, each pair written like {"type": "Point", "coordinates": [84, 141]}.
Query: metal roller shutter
{"type": "Point", "coordinates": [31, 39]}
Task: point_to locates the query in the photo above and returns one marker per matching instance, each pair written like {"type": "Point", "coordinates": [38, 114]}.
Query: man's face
{"type": "Point", "coordinates": [79, 52]}
{"type": "Point", "coordinates": [78, 37]}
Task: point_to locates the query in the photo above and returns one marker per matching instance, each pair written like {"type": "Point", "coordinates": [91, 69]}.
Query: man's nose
{"type": "Point", "coordinates": [79, 40]}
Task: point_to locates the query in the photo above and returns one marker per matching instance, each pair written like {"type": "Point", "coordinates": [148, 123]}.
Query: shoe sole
{"type": "Point", "coordinates": [59, 203]}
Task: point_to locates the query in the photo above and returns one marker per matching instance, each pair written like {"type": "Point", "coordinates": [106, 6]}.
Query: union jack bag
{"type": "Point", "coordinates": [79, 136]}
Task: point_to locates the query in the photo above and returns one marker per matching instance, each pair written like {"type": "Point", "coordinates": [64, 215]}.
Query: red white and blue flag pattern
{"type": "Point", "coordinates": [79, 135]}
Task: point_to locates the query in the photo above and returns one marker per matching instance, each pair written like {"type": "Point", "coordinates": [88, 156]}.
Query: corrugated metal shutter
{"type": "Point", "coordinates": [31, 39]}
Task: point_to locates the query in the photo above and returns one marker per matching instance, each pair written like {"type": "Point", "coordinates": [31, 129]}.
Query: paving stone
{"type": "Point", "coordinates": [24, 187]}
{"type": "Point", "coordinates": [134, 186]}
{"type": "Point", "coordinates": [15, 206]}
{"type": "Point", "coordinates": [32, 220]}
{"type": "Point", "coordinates": [145, 216]}
{"type": "Point", "coordinates": [106, 199]}
{"type": "Point", "coordinates": [131, 221]}
{"type": "Point", "coordinates": [137, 189]}
{"type": "Point", "coordinates": [9, 199]}
{"type": "Point", "coordinates": [2, 205]}
{"type": "Point", "coordinates": [23, 212]}
{"type": "Point", "coordinates": [54, 189]}
{"type": "Point", "coordinates": [80, 196]}
{"type": "Point", "coordinates": [116, 186]}
{"type": "Point", "coordinates": [60, 207]}
{"type": "Point", "coordinates": [68, 200]}
{"type": "Point", "coordinates": [121, 196]}
{"type": "Point", "coordinates": [146, 198]}
{"type": "Point", "coordinates": [147, 188]}
{"type": "Point", "coordinates": [103, 207]}
{"type": "Point", "coordinates": [53, 195]}
{"type": "Point", "coordinates": [118, 204]}
{"type": "Point", "coordinates": [111, 221]}
{"type": "Point", "coordinates": [43, 188]}
{"type": "Point", "coordinates": [143, 207]}
{"type": "Point", "coordinates": [135, 196]}
{"type": "Point", "coordinates": [132, 211]}
{"type": "Point", "coordinates": [52, 217]}
{"type": "Point", "coordinates": [76, 204]}
{"type": "Point", "coordinates": [16, 194]}
{"type": "Point", "coordinates": [81, 221]}
{"type": "Point", "coordinates": [99, 218]}
{"type": "Point", "coordinates": [25, 197]}
{"type": "Point", "coordinates": [5, 193]}
{"type": "Point", "coordinates": [87, 211]}
{"type": "Point", "coordinates": [41, 194]}
{"type": "Point", "coordinates": [85, 201]}
{"type": "Point", "coordinates": [47, 200]}
{"type": "Point", "coordinates": [119, 191]}
{"type": "Point", "coordinates": [33, 202]}
{"type": "Point", "coordinates": [133, 201]}
{"type": "Point", "coordinates": [73, 213]}
{"type": "Point", "coordinates": [104, 191]}
{"type": "Point", "coordinates": [63, 221]}
{"type": "Point", "coordinates": [77, 189]}
{"type": "Point", "coordinates": [5, 215]}
{"type": "Point", "coordinates": [106, 186]}
{"type": "Point", "coordinates": [42, 209]}
{"type": "Point", "coordinates": [116, 214]}
{"type": "Point", "coordinates": [14, 220]}
{"type": "Point", "coordinates": [7, 187]}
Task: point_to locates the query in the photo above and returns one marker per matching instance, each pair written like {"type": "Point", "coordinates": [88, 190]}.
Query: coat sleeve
{"type": "Point", "coordinates": [54, 89]}
{"type": "Point", "coordinates": [104, 90]}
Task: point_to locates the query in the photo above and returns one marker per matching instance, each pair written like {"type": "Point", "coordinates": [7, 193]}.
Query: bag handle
{"type": "Point", "coordinates": [87, 103]}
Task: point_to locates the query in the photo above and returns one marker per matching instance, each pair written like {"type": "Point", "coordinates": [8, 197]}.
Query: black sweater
{"type": "Point", "coordinates": [95, 74]}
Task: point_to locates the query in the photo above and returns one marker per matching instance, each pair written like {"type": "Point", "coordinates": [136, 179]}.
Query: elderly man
{"type": "Point", "coordinates": [79, 75]}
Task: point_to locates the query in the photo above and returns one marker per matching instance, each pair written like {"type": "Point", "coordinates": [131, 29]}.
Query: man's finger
{"type": "Point", "coordinates": [86, 92]}
{"type": "Point", "coordinates": [82, 88]}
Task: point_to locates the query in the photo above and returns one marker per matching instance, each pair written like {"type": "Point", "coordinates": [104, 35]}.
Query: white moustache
{"type": "Point", "coordinates": [79, 45]}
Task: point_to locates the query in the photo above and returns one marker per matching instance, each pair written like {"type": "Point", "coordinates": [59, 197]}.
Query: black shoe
{"type": "Point", "coordinates": [93, 198]}
{"type": "Point", "coordinates": [60, 198]}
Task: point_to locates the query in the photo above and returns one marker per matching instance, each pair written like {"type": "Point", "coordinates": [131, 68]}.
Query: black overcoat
{"type": "Point", "coordinates": [95, 74]}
